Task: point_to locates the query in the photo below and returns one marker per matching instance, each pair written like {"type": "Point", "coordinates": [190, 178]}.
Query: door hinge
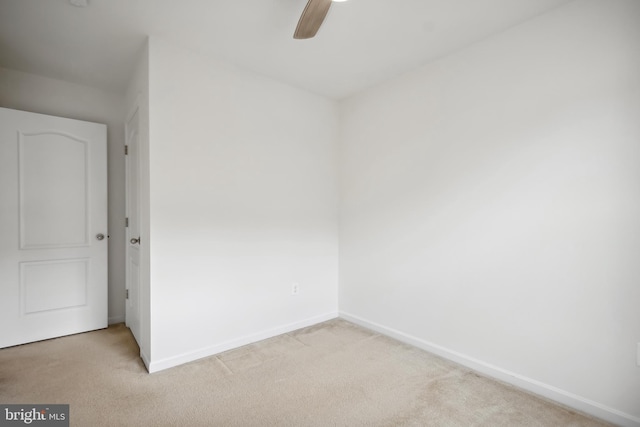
{"type": "Point", "coordinates": [127, 293]}
{"type": "Point", "coordinates": [126, 150]}
{"type": "Point", "coordinates": [126, 222]}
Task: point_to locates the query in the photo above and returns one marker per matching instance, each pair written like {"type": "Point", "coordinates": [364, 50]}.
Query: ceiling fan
{"type": "Point", "coordinates": [312, 17]}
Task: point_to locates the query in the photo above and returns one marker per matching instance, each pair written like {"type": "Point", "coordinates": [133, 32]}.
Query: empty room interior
{"type": "Point", "coordinates": [460, 178]}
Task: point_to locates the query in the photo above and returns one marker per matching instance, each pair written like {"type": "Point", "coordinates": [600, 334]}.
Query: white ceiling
{"type": "Point", "coordinates": [361, 42]}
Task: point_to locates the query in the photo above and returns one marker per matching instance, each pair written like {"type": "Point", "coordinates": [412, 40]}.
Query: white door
{"type": "Point", "coordinates": [133, 226]}
{"type": "Point", "coordinates": [53, 227]}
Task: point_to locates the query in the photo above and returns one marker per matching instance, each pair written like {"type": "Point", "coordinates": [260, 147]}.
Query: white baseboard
{"type": "Point", "coordinates": [159, 365]}
{"type": "Point", "coordinates": [116, 319]}
{"type": "Point", "coordinates": [553, 393]}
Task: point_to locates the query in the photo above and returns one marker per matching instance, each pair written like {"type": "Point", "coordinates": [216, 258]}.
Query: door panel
{"type": "Point", "coordinates": [53, 285]}
{"type": "Point", "coordinates": [53, 227]}
{"type": "Point", "coordinates": [53, 167]}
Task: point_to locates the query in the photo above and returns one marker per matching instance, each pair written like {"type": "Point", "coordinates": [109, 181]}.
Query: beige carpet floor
{"type": "Point", "coordinates": [332, 374]}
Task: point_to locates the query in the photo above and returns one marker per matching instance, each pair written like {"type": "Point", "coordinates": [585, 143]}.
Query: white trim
{"type": "Point", "coordinates": [159, 365]}
{"type": "Point", "coordinates": [116, 319]}
{"type": "Point", "coordinates": [550, 392]}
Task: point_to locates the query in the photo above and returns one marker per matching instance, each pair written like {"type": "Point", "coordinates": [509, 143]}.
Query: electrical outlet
{"type": "Point", "coordinates": [295, 288]}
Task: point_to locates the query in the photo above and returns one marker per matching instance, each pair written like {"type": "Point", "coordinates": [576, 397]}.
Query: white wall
{"type": "Point", "coordinates": [243, 204]}
{"type": "Point", "coordinates": [490, 206]}
{"type": "Point", "coordinates": [29, 92]}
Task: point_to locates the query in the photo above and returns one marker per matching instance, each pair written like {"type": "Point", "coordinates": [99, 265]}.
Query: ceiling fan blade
{"type": "Point", "coordinates": [312, 18]}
